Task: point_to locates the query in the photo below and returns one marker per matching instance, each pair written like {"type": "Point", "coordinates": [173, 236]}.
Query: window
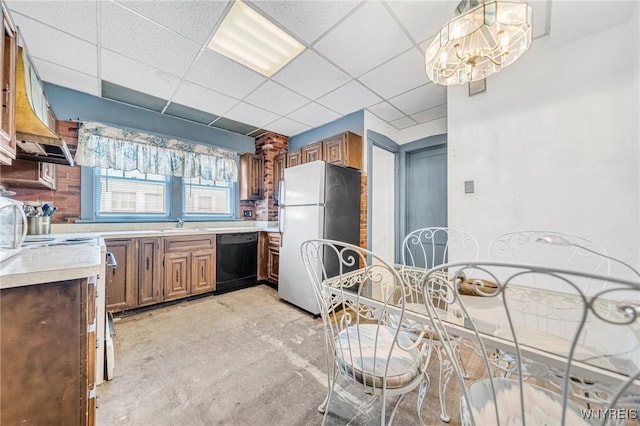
{"type": "Point", "coordinates": [130, 193]}
{"type": "Point", "coordinates": [206, 197]}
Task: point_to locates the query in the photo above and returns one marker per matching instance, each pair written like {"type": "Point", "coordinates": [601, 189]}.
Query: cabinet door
{"type": "Point", "coordinates": [251, 177]}
{"type": "Point", "coordinates": [92, 347]}
{"type": "Point", "coordinates": [176, 275]}
{"type": "Point", "coordinates": [149, 271]}
{"type": "Point", "coordinates": [48, 175]}
{"type": "Point", "coordinates": [43, 348]}
{"type": "Point", "coordinates": [344, 150]}
{"type": "Point", "coordinates": [273, 257]}
{"type": "Point", "coordinates": [8, 81]}
{"type": "Point", "coordinates": [203, 271]}
{"type": "Point", "coordinates": [312, 152]}
{"type": "Point", "coordinates": [279, 164]}
{"type": "Point", "coordinates": [294, 158]}
{"type": "Point", "coordinates": [121, 285]}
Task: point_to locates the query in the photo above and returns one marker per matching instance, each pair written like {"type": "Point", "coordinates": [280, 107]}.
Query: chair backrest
{"type": "Point", "coordinates": [601, 374]}
{"type": "Point", "coordinates": [429, 247]}
{"type": "Point", "coordinates": [551, 249]}
{"type": "Point", "coordinates": [347, 322]}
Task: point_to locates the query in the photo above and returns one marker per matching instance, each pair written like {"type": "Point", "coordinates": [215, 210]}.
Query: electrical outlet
{"type": "Point", "coordinates": [468, 187]}
{"type": "Point", "coordinates": [247, 213]}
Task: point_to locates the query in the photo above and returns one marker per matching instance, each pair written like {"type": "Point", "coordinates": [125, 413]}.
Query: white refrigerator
{"type": "Point", "coordinates": [317, 200]}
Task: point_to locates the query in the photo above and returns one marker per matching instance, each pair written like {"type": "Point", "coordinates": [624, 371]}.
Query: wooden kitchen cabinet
{"type": "Point", "coordinates": [189, 265]}
{"type": "Point", "coordinates": [269, 257]}
{"type": "Point", "coordinates": [279, 164]}
{"type": "Point", "coordinates": [47, 347]}
{"type": "Point", "coordinates": [8, 81]}
{"type": "Point", "coordinates": [176, 275]}
{"type": "Point", "coordinates": [343, 150]}
{"type": "Point", "coordinates": [30, 174]}
{"type": "Point", "coordinates": [273, 257]}
{"type": "Point", "coordinates": [203, 271]}
{"type": "Point", "coordinates": [251, 177]}
{"type": "Point", "coordinates": [294, 158]}
{"type": "Point", "coordinates": [150, 288]}
{"type": "Point", "coordinates": [121, 284]}
{"type": "Point", "coordinates": [312, 152]}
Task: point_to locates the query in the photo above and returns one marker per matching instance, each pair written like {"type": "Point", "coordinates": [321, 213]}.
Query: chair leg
{"type": "Point", "coordinates": [323, 407]}
{"type": "Point", "coordinates": [446, 368]}
{"type": "Point", "coordinates": [458, 354]}
{"type": "Point", "coordinates": [422, 392]}
{"type": "Point", "coordinates": [395, 409]}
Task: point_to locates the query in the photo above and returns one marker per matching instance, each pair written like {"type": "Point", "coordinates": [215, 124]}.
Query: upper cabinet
{"type": "Point", "coordinates": [8, 79]}
{"type": "Point", "coordinates": [343, 150]}
{"type": "Point", "coordinates": [251, 177]}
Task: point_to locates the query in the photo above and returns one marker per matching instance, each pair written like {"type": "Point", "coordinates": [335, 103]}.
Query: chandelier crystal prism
{"type": "Point", "coordinates": [482, 39]}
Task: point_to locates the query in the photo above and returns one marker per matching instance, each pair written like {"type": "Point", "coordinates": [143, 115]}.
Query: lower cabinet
{"type": "Point", "coordinates": [150, 289]}
{"type": "Point", "coordinates": [176, 275]}
{"type": "Point", "coordinates": [189, 265]}
{"type": "Point", "coordinates": [121, 283]}
{"type": "Point", "coordinates": [47, 347]}
{"type": "Point", "coordinates": [269, 257]}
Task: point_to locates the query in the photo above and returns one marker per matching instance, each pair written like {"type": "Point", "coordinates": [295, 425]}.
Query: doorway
{"type": "Point", "coordinates": [383, 203]}
{"type": "Point", "coordinates": [426, 188]}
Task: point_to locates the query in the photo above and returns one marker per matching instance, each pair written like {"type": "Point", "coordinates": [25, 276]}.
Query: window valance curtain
{"type": "Point", "coordinates": [100, 145]}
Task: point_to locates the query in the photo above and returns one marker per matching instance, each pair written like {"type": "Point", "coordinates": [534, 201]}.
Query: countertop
{"type": "Point", "coordinates": [34, 265]}
{"type": "Point", "coordinates": [44, 264]}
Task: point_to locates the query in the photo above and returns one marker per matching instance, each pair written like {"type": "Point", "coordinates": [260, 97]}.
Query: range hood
{"type": "Point", "coordinates": [35, 139]}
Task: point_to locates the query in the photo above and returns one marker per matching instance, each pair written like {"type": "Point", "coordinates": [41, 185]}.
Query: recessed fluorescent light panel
{"type": "Point", "coordinates": [249, 38]}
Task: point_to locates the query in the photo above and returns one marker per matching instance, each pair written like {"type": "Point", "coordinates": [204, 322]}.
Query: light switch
{"type": "Point", "coordinates": [468, 187]}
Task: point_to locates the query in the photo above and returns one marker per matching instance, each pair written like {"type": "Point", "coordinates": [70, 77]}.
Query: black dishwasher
{"type": "Point", "coordinates": [236, 261]}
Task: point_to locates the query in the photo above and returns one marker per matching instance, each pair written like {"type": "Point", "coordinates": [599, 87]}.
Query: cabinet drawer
{"type": "Point", "coordinates": [174, 244]}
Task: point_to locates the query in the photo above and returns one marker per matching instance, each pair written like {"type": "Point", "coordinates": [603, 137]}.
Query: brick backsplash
{"type": "Point", "coordinates": [67, 196]}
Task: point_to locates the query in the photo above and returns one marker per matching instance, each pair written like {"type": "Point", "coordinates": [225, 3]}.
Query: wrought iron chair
{"type": "Point", "coordinates": [608, 366]}
{"type": "Point", "coordinates": [362, 344]}
{"type": "Point", "coordinates": [422, 250]}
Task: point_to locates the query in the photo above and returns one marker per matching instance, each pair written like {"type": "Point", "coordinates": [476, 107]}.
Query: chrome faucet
{"type": "Point", "coordinates": [180, 222]}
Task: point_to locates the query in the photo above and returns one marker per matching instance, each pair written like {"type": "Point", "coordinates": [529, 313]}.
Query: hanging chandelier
{"type": "Point", "coordinates": [482, 39]}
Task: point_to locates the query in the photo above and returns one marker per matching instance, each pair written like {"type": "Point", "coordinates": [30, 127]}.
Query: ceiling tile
{"type": "Point", "coordinates": [66, 77]}
{"type": "Point", "coordinates": [181, 111]}
{"type": "Point", "coordinates": [423, 19]}
{"type": "Point", "coordinates": [364, 40]}
{"type": "Point", "coordinates": [274, 97]}
{"type": "Point", "coordinates": [349, 98]}
{"type": "Point", "coordinates": [129, 34]}
{"type": "Point", "coordinates": [403, 123]}
{"type": "Point", "coordinates": [233, 126]}
{"type": "Point", "coordinates": [204, 99]}
{"type": "Point", "coordinates": [287, 127]}
{"type": "Point", "coordinates": [431, 114]}
{"type": "Point", "coordinates": [251, 115]}
{"type": "Point", "coordinates": [314, 115]}
{"type": "Point", "coordinates": [132, 97]}
{"type": "Point", "coordinates": [57, 47]}
{"type": "Point", "coordinates": [419, 99]}
{"type": "Point", "coordinates": [307, 20]}
{"type": "Point", "coordinates": [193, 19]}
{"type": "Point", "coordinates": [311, 75]}
{"type": "Point", "coordinates": [397, 76]}
{"type": "Point", "coordinates": [385, 111]}
{"type": "Point", "coordinates": [77, 18]}
{"type": "Point", "coordinates": [219, 73]}
{"type": "Point", "coordinates": [136, 75]}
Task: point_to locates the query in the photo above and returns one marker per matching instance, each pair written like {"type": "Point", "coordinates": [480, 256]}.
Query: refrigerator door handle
{"type": "Point", "coordinates": [281, 194]}
{"type": "Point", "coordinates": [281, 214]}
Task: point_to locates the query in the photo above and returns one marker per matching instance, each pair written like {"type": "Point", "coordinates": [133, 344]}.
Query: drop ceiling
{"type": "Point", "coordinates": [153, 54]}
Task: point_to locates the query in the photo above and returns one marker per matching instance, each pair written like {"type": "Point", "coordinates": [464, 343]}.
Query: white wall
{"type": "Point", "coordinates": [553, 144]}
